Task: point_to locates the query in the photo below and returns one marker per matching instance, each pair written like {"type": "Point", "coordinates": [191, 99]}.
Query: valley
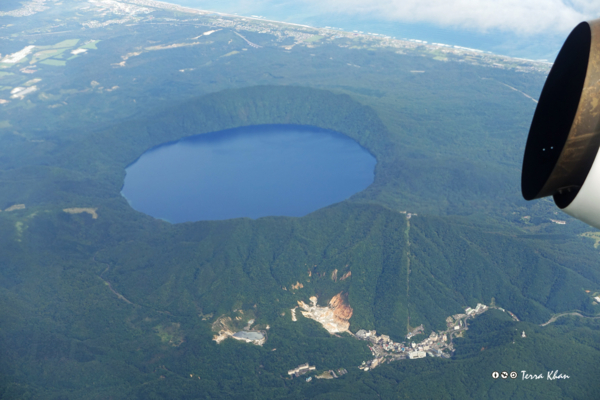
{"type": "Point", "coordinates": [98, 300]}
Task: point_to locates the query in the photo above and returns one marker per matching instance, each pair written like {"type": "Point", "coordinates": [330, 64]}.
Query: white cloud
{"type": "Point", "coordinates": [518, 16]}
{"type": "Point", "coordinates": [523, 17]}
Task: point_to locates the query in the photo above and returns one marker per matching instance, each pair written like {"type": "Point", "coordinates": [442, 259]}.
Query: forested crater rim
{"type": "Point", "coordinates": [98, 160]}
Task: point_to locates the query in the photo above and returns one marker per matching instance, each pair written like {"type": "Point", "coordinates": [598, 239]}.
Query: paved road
{"type": "Point", "coordinates": [557, 316]}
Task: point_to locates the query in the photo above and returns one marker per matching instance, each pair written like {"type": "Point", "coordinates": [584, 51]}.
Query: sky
{"type": "Point", "coordinates": [532, 29]}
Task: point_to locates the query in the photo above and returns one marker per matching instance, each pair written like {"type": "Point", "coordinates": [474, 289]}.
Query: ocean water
{"type": "Point", "coordinates": [10, 5]}
{"type": "Point", "coordinates": [535, 47]}
{"type": "Point", "coordinates": [255, 171]}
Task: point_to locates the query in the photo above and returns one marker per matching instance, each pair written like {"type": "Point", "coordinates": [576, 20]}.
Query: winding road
{"type": "Point", "coordinates": [557, 316]}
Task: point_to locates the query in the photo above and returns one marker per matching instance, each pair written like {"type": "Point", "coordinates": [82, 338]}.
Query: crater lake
{"type": "Point", "coordinates": [253, 171]}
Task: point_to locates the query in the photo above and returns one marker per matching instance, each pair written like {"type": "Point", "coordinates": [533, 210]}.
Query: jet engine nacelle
{"type": "Point", "coordinates": [561, 156]}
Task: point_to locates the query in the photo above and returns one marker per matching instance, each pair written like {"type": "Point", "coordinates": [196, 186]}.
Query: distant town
{"type": "Point", "coordinates": [312, 36]}
{"type": "Point", "coordinates": [385, 350]}
{"type": "Point", "coordinates": [140, 11]}
{"type": "Point", "coordinates": [438, 344]}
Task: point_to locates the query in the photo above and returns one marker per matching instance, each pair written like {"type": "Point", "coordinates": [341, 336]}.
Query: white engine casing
{"type": "Point", "coordinates": [586, 205]}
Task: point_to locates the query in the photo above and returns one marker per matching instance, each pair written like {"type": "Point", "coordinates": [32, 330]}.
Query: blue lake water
{"type": "Point", "coordinates": [255, 171]}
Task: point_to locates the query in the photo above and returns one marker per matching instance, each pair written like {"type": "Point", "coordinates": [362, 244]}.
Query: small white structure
{"type": "Point", "coordinates": [301, 369]}
{"type": "Point", "coordinates": [523, 334]}
{"type": "Point", "coordinates": [417, 354]}
{"type": "Point", "coordinates": [362, 334]}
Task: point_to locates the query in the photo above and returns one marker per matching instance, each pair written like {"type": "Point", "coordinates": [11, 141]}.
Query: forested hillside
{"type": "Point", "coordinates": [124, 288]}
{"type": "Point", "coordinates": [100, 301]}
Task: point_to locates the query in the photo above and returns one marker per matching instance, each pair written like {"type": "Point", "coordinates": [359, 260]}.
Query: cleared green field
{"type": "Point", "coordinates": [315, 38]}
{"type": "Point", "coordinates": [5, 73]}
{"type": "Point", "coordinates": [230, 53]}
{"type": "Point", "coordinates": [66, 43]}
{"type": "Point", "coordinates": [57, 63]}
{"type": "Point", "coordinates": [32, 82]}
{"type": "Point", "coordinates": [91, 45]}
{"type": "Point", "coordinates": [60, 45]}
{"type": "Point", "coordinates": [43, 55]}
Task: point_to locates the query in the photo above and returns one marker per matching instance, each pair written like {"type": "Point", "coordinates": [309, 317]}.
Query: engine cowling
{"type": "Point", "coordinates": [561, 156]}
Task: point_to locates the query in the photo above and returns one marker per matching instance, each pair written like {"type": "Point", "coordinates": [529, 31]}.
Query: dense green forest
{"type": "Point", "coordinates": [86, 337]}
{"type": "Point", "coordinates": [121, 306]}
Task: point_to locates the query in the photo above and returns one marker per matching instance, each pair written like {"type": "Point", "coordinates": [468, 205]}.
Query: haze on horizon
{"type": "Point", "coordinates": [532, 29]}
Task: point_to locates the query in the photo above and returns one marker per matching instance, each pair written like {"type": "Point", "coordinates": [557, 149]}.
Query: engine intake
{"type": "Point", "coordinates": [561, 152]}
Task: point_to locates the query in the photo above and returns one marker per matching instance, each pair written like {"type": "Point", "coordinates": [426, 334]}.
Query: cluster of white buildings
{"type": "Point", "coordinates": [301, 370]}
{"type": "Point", "coordinates": [432, 346]}
{"type": "Point", "coordinates": [477, 310]}
{"type": "Point", "coordinates": [559, 222]}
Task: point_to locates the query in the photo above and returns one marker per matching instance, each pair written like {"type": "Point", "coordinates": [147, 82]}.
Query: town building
{"type": "Point", "coordinates": [416, 354]}
{"type": "Point", "coordinates": [301, 369]}
{"type": "Point", "coordinates": [362, 334]}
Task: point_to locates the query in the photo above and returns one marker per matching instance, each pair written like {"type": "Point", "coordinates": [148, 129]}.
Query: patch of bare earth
{"type": "Point", "coordinates": [15, 207]}
{"type": "Point", "coordinates": [91, 211]}
{"type": "Point", "coordinates": [222, 326]}
{"type": "Point", "coordinates": [334, 317]}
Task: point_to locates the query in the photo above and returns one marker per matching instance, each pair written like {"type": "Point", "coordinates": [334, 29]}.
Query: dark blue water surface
{"type": "Point", "coordinates": [255, 171]}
